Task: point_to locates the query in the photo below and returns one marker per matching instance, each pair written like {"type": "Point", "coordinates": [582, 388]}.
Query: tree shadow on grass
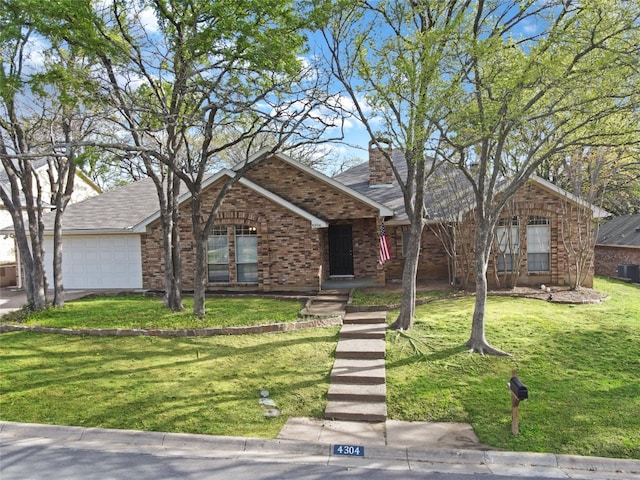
{"type": "Point", "coordinates": [57, 361]}
{"type": "Point", "coordinates": [418, 357]}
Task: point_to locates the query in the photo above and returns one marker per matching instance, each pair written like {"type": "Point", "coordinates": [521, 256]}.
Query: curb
{"type": "Point", "coordinates": [167, 443]}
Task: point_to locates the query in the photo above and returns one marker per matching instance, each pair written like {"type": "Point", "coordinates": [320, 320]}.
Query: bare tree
{"type": "Point", "coordinates": [587, 171]}
{"type": "Point", "coordinates": [450, 204]}
{"type": "Point", "coordinates": [507, 247]}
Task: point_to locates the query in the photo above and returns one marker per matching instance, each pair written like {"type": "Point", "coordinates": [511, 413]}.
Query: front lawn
{"type": "Point", "coordinates": [581, 364]}
{"type": "Point", "coordinates": [198, 385]}
{"type": "Point", "coordinates": [138, 311]}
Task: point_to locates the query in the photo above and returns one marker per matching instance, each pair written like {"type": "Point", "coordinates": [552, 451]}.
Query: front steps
{"type": "Point", "coordinates": [358, 379]}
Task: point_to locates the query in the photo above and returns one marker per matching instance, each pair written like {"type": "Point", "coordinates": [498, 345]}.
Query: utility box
{"type": "Point", "coordinates": [630, 271]}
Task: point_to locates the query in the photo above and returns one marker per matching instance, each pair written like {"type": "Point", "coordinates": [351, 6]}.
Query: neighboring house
{"type": "Point", "coordinates": [618, 248]}
{"type": "Point", "coordinates": [287, 227]}
{"type": "Point", "coordinates": [83, 188]}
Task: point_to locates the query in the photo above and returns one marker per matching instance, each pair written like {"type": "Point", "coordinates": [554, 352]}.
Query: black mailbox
{"type": "Point", "coordinates": [518, 389]}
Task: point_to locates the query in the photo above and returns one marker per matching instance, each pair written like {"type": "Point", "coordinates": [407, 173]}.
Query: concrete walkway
{"type": "Point", "coordinates": [358, 380]}
{"type": "Point", "coordinates": [12, 299]}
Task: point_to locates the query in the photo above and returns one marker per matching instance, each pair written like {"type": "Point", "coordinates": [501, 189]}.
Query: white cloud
{"type": "Point", "coordinates": [147, 19]}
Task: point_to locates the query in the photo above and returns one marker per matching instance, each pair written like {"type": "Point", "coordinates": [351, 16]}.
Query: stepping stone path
{"type": "Point", "coordinates": [358, 388]}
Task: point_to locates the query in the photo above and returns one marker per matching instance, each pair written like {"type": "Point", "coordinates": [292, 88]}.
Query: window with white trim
{"type": "Point", "coordinates": [246, 254]}
{"type": "Point", "coordinates": [508, 239]}
{"type": "Point", "coordinates": [218, 255]}
{"type": "Point", "coordinates": [538, 244]}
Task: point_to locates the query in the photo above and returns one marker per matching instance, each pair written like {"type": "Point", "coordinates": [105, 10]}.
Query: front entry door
{"type": "Point", "coordinates": [340, 250]}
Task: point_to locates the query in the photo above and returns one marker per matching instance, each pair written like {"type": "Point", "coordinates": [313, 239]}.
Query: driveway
{"type": "Point", "coordinates": [12, 298]}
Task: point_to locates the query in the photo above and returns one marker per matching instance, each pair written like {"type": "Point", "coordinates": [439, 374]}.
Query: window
{"type": "Point", "coordinates": [538, 244]}
{"type": "Point", "coordinates": [218, 255]}
{"type": "Point", "coordinates": [246, 254]}
{"type": "Point", "coordinates": [508, 237]}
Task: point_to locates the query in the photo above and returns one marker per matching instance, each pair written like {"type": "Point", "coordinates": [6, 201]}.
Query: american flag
{"type": "Point", "coordinates": [384, 253]}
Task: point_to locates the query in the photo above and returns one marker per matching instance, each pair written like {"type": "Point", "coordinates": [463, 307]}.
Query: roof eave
{"type": "Point", "coordinates": [597, 211]}
{"type": "Point", "coordinates": [315, 221]}
{"type": "Point", "coordinates": [90, 231]}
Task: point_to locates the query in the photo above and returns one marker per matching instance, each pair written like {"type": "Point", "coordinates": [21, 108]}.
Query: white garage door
{"type": "Point", "coordinates": [98, 261]}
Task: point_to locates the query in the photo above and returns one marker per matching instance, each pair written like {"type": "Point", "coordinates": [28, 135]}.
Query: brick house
{"type": "Point", "coordinates": [287, 227]}
{"type": "Point", "coordinates": [617, 252]}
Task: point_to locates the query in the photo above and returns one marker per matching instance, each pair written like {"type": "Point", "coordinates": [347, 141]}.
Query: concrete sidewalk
{"type": "Point", "coordinates": [380, 457]}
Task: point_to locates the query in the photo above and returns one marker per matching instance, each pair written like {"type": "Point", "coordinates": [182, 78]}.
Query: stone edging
{"type": "Point", "coordinates": [185, 332]}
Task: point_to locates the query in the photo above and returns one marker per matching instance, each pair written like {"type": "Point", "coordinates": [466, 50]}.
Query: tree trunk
{"type": "Point", "coordinates": [36, 231]}
{"type": "Point", "coordinates": [408, 304]}
{"type": "Point", "coordinates": [58, 285]}
{"type": "Point", "coordinates": [200, 267]}
{"type": "Point", "coordinates": [477, 342]}
{"type": "Point", "coordinates": [171, 246]}
{"type": "Point", "coordinates": [62, 181]}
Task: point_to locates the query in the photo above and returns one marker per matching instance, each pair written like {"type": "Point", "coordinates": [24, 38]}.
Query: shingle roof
{"type": "Point", "coordinates": [113, 211]}
{"type": "Point", "coordinates": [621, 231]}
{"type": "Point", "coordinates": [448, 191]}
{"type": "Point", "coordinates": [448, 194]}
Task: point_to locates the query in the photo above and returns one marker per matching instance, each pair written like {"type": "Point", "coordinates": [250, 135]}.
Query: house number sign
{"type": "Point", "coordinates": [349, 450]}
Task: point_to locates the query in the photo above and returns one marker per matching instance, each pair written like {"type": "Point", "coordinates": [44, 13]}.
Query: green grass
{"type": "Point", "coordinates": [581, 364]}
{"type": "Point", "coordinates": [137, 311]}
{"type": "Point", "coordinates": [376, 296]}
{"type": "Point", "coordinates": [199, 385]}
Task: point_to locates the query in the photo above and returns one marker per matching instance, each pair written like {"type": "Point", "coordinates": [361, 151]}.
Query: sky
{"type": "Point", "coordinates": [356, 138]}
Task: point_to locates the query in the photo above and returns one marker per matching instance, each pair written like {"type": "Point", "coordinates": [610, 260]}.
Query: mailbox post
{"type": "Point", "coordinates": [518, 392]}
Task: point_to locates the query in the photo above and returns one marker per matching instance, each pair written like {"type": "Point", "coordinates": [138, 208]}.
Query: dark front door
{"type": "Point", "coordinates": [340, 250]}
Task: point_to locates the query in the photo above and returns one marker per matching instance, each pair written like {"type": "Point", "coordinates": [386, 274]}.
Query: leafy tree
{"type": "Point", "coordinates": [536, 79]}
{"type": "Point", "coordinates": [388, 58]}
{"type": "Point", "coordinates": [20, 172]}
{"type": "Point", "coordinates": [189, 87]}
{"type": "Point", "coordinates": [493, 87]}
{"type": "Point", "coordinates": [42, 101]}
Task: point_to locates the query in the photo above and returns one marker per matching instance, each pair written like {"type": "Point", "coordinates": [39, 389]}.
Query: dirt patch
{"type": "Point", "coordinates": [555, 294]}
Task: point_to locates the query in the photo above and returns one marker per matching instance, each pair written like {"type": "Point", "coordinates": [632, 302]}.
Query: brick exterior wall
{"type": "Point", "coordinates": [289, 250]}
{"type": "Point", "coordinates": [533, 199]}
{"type": "Point", "coordinates": [608, 258]}
{"type": "Point", "coordinates": [292, 256]}
{"type": "Point", "coordinates": [433, 265]}
{"type": "Point", "coordinates": [571, 230]}
{"type": "Point", "coordinates": [307, 192]}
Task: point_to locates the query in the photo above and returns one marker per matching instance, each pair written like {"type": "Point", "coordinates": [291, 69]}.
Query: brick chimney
{"type": "Point", "coordinates": [380, 172]}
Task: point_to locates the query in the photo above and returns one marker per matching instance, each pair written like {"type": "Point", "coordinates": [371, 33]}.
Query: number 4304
{"type": "Point", "coordinates": [354, 450]}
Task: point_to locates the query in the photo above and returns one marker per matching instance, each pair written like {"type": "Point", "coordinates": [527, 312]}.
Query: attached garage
{"type": "Point", "coordinates": [98, 261]}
